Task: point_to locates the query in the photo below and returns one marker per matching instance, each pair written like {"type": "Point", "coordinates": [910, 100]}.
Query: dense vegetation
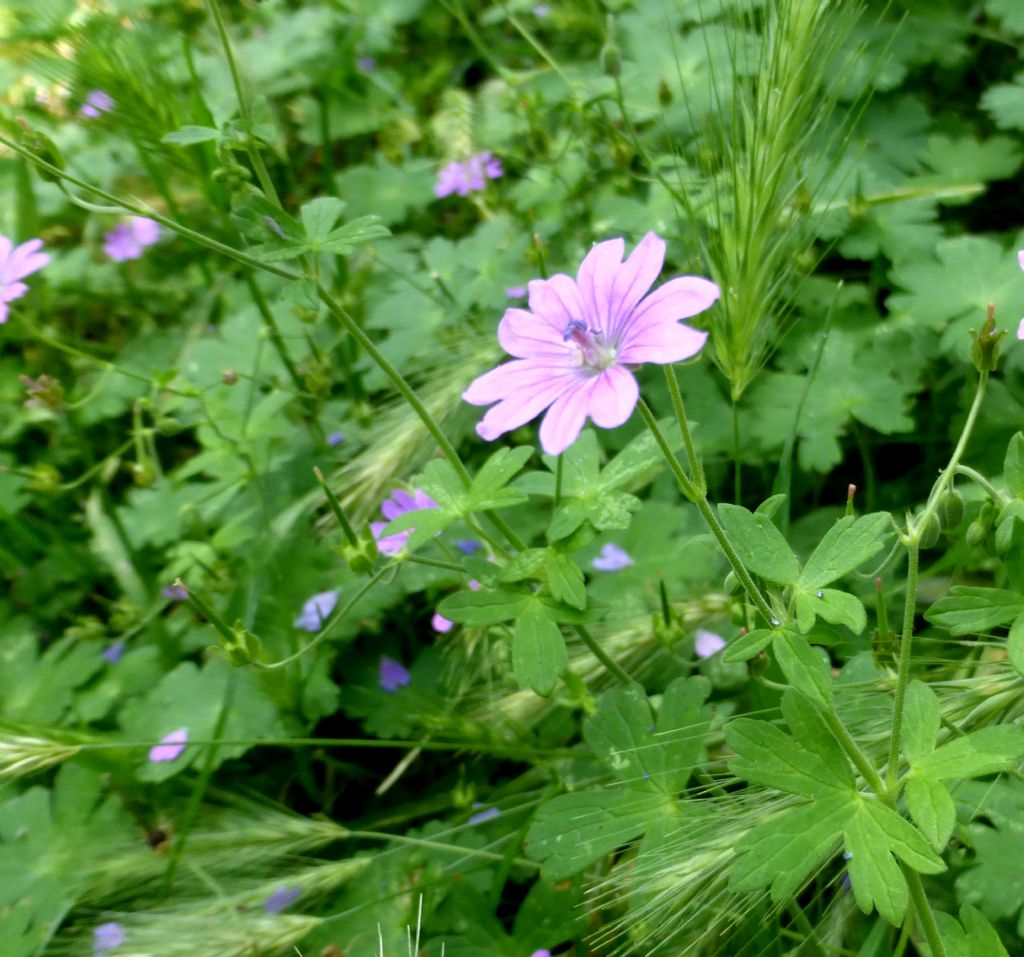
{"type": "Point", "coordinates": [317, 635]}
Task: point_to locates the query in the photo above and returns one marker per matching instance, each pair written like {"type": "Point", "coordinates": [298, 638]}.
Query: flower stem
{"type": "Point", "coordinates": [601, 655]}
{"type": "Point", "coordinates": [696, 466]}
{"type": "Point", "coordinates": [699, 498]}
{"type": "Point", "coordinates": [854, 752]}
{"type": "Point", "coordinates": [924, 912]}
{"type": "Point", "coordinates": [982, 482]}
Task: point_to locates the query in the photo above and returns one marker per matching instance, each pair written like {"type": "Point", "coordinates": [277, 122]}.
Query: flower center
{"type": "Point", "coordinates": [588, 348]}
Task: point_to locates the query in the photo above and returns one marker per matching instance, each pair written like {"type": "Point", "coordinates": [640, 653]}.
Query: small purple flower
{"type": "Point", "coordinates": [335, 438]}
{"type": "Point", "coordinates": [466, 176]}
{"type": "Point", "coordinates": [468, 546]}
{"type": "Point", "coordinates": [170, 746]}
{"type": "Point", "coordinates": [541, 10]}
{"type": "Point", "coordinates": [366, 64]}
{"type": "Point", "coordinates": [707, 643]}
{"type": "Point", "coordinates": [393, 675]}
{"type": "Point", "coordinates": [96, 102]}
{"type": "Point", "coordinates": [488, 814]}
{"type": "Point", "coordinates": [515, 292]}
{"type": "Point", "coordinates": [106, 937]}
{"type": "Point", "coordinates": [441, 624]}
{"type": "Point", "coordinates": [574, 350]}
{"type": "Point", "coordinates": [16, 262]}
{"type": "Point", "coordinates": [174, 593]}
{"type": "Point", "coordinates": [541, 953]}
{"type": "Point", "coordinates": [281, 898]}
{"type": "Point", "coordinates": [317, 609]}
{"type": "Point", "coordinates": [114, 653]}
{"type": "Point", "coordinates": [612, 559]}
{"type": "Point", "coordinates": [127, 240]}
{"type": "Point", "coordinates": [400, 502]}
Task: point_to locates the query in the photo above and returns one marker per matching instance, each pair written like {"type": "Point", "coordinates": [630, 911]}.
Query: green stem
{"type": "Point", "coordinates": [708, 514]}
{"type": "Point", "coordinates": [924, 912]}
{"type": "Point", "coordinates": [696, 466]}
{"type": "Point", "coordinates": [982, 482]}
{"type": "Point", "coordinates": [853, 752]}
{"type": "Point", "coordinates": [601, 655]}
{"type": "Point", "coordinates": [903, 675]}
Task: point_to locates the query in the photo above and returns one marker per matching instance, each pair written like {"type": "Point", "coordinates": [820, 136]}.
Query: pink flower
{"type": "Point", "coordinates": [707, 643]}
{"type": "Point", "coordinates": [464, 177]}
{"type": "Point", "coordinates": [170, 746]}
{"type": "Point", "coordinates": [16, 262]}
{"type": "Point", "coordinates": [574, 347]}
{"type": "Point", "coordinates": [96, 102]}
{"type": "Point", "coordinates": [400, 502]}
{"type": "Point", "coordinates": [441, 624]}
{"type": "Point", "coordinates": [127, 240]}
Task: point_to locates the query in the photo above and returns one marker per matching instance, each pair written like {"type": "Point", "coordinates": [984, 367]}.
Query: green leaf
{"type": "Point", "coordinates": [922, 718]}
{"type": "Point", "coordinates": [760, 544]}
{"type": "Point", "coordinates": [683, 720]}
{"type": "Point", "coordinates": [565, 579]}
{"type": "Point", "coordinates": [572, 831]}
{"type": "Point", "coordinates": [767, 755]}
{"type": "Point", "coordinates": [621, 730]}
{"type": "Point", "coordinates": [846, 545]}
{"type": "Point", "coordinates": [748, 645]}
{"type": "Point", "coordinates": [496, 473]}
{"type": "Point", "coordinates": [1013, 465]}
{"type": "Point", "coordinates": [1015, 645]}
{"type": "Point", "coordinates": [813, 735]}
{"type": "Point", "coordinates": [345, 238]}
{"type": "Point", "coordinates": [319, 216]}
{"type": "Point", "coordinates": [931, 808]}
{"type": "Point", "coordinates": [785, 850]}
{"type": "Point", "coordinates": [442, 483]}
{"type": "Point", "coordinates": [968, 609]}
{"type": "Point", "coordinates": [424, 523]}
{"type": "Point", "coordinates": [805, 669]}
{"type": "Point", "coordinates": [975, 938]}
{"type": "Point", "coordinates": [190, 135]}
{"type": "Point", "coordinates": [836, 607]}
{"type": "Point", "coordinates": [990, 750]}
{"type": "Point", "coordinates": [485, 607]}
{"type": "Point", "coordinates": [539, 655]}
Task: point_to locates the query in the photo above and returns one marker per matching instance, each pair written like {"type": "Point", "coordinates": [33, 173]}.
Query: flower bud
{"type": "Point", "coordinates": [928, 532]}
{"type": "Point", "coordinates": [975, 533]}
{"type": "Point", "coordinates": [360, 557]}
{"type": "Point", "coordinates": [611, 61]}
{"type": "Point", "coordinates": [668, 633]}
{"type": "Point", "coordinates": [950, 509]}
{"type": "Point", "coordinates": [737, 613]}
{"type": "Point", "coordinates": [143, 473]}
{"type": "Point", "coordinates": [243, 649]}
{"type": "Point", "coordinates": [732, 584]}
{"type": "Point", "coordinates": [985, 344]}
{"type": "Point", "coordinates": [229, 377]}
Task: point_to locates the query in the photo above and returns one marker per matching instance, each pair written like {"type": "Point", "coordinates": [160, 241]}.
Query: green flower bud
{"type": "Point", "coordinates": [360, 557]}
{"type": "Point", "coordinates": [985, 344]}
{"type": "Point", "coordinates": [928, 533]}
{"type": "Point", "coordinates": [950, 509]}
{"type": "Point", "coordinates": [737, 613]}
{"type": "Point", "coordinates": [975, 533]}
{"type": "Point", "coordinates": [242, 649]}
{"type": "Point", "coordinates": [229, 377]}
{"type": "Point", "coordinates": [668, 633]}
{"type": "Point", "coordinates": [143, 473]}
{"type": "Point", "coordinates": [611, 61]}
{"type": "Point", "coordinates": [732, 584]}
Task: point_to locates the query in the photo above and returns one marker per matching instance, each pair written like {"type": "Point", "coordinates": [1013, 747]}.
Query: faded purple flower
{"type": "Point", "coordinates": [317, 609]}
{"type": "Point", "coordinates": [96, 102]}
{"type": "Point", "coordinates": [466, 176]}
{"type": "Point", "coordinates": [106, 937]}
{"type": "Point", "coordinates": [574, 348]}
{"type": "Point", "coordinates": [174, 592]}
{"type": "Point", "coordinates": [541, 10]}
{"type": "Point", "coordinates": [612, 559]}
{"type": "Point", "coordinates": [281, 898]}
{"type": "Point", "coordinates": [400, 502]}
{"type": "Point", "coordinates": [335, 438]}
{"type": "Point", "coordinates": [16, 262]}
{"type": "Point", "coordinates": [170, 746]}
{"type": "Point", "coordinates": [707, 643]}
{"type": "Point", "coordinates": [393, 675]}
{"type": "Point", "coordinates": [114, 653]}
{"type": "Point", "coordinates": [127, 240]}
{"type": "Point", "coordinates": [515, 292]}
{"type": "Point", "coordinates": [441, 624]}
{"type": "Point", "coordinates": [468, 546]}
{"type": "Point", "coordinates": [489, 814]}
{"type": "Point", "coordinates": [366, 64]}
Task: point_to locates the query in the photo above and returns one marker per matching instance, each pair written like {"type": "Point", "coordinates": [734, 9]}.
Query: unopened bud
{"type": "Point", "coordinates": [975, 533]}
{"type": "Point", "coordinates": [229, 377]}
{"type": "Point", "coordinates": [732, 584]}
{"type": "Point", "coordinates": [243, 649]}
{"type": "Point", "coordinates": [950, 509]}
{"type": "Point", "coordinates": [985, 344]}
{"type": "Point", "coordinates": [143, 473]}
{"type": "Point", "coordinates": [611, 61]}
{"type": "Point", "coordinates": [928, 533]}
{"type": "Point", "coordinates": [664, 93]}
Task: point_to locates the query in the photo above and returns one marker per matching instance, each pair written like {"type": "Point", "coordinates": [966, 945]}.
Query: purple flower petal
{"type": "Point", "coordinates": [170, 747]}
{"type": "Point", "coordinates": [127, 240]}
{"type": "Point", "coordinates": [468, 546]}
{"type": "Point", "coordinates": [1020, 329]}
{"type": "Point", "coordinates": [574, 346]}
{"type": "Point", "coordinates": [515, 292]}
{"type": "Point", "coordinates": [105, 937]}
{"type": "Point", "coordinates": [540, 953]}
{"type": "Point", "coordinates": [317, 610]}
{"type": "Point", "coordinates": [393, 675]}
{"type": "Point", "coordinates": [441, 624]}
{"type": "Point", "coordinates": [17, 262]}
{"type": "Point", "coordinates": [489, 814]}
{"type": "Point", "coordinates": [612, 559]}
{"type": "Point", "coordinates": [114, 653]}
{"type": "Point", "coordinates": [281, 898]}
{"type": "Point", "coordinates": [400, 502]}
{"type": "Point", "coordinates": [96, 102]}
{"type": "Point", "coordinates": [174, 592]}
{"type": "Point", "coordinates": [335, 438]}
{"type": "Point", "coordinates": [366, 64]}
{"type": "Point", "coordinates": [707, 643]}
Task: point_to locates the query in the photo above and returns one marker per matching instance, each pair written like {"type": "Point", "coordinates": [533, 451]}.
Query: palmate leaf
{"type": "Point", "coordinates": [972, 936]}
